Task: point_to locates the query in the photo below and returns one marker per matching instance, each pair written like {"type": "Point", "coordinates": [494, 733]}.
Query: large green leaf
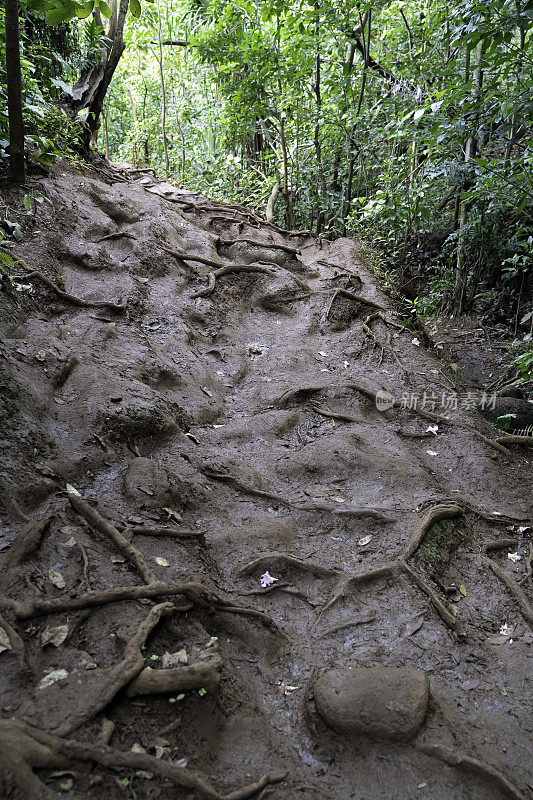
{"type": "Point", "coordinates": [85, 10]}
{"type": "Point", "coordinates": [135, 8]}
{"type": "Point", "coordinates": [55, 16]}
{"type": "Point", "coordinates": [105, 10]}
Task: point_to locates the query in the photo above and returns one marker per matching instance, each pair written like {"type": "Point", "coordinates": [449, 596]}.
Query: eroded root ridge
{"type": "Point", "coordinates": [24, 748]}
{"type": "Point", "coordinates": [467, 764]}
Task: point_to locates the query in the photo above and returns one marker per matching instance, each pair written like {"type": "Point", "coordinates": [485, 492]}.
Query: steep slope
{"type": "Point", "coordinates": [199, 401]}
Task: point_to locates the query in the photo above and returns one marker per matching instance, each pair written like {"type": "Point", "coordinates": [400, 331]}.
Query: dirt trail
{"type": "Point", "coordinates": [206, 386]}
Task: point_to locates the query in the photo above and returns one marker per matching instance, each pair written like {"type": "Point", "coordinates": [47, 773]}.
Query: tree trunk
{"type": "Point", "coordinates": [269, 213]}
{"type": "Point", "coordinates": [163, 92]}
{"type": "Point", "coordinates": [107, 154]}
{"type": "Point", "coordinates": [17, 168]}
{"type": "Point", "coordinates": [461, 267]}
{"type": "Point", "coordinates": [318, 144]}
{"type": "Point", "coordinates": [91, 89]}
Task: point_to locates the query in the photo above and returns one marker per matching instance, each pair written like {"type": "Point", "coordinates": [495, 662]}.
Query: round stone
{"type": "Point", "coordinates": [382, 702]}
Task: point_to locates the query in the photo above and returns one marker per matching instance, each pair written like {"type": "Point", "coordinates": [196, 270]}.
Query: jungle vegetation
{"type": "Point", "coordinates": [406, 124]}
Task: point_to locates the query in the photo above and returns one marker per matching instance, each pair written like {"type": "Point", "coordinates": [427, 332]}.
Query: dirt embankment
{"type": "Point", "coordinates": [254, 540]}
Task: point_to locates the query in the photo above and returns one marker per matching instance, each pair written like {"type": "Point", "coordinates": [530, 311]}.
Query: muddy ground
{"type": "Point", "coordinates": [168, 436]}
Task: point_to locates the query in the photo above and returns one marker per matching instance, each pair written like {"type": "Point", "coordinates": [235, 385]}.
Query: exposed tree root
{"type": "Point", "coordinates": [171, 533]}
{"type": "Point", "coordinates": [120, 675]}
{"type": "Point", "coordinates": [413, 434]}
{"type": "Point", "coordinates": [475, 766]}
{"type": "Point", "coordinates": [494, 443]}
{"type": "Point", "coordinates": [293, 251]}
{"type": "Point", "coordinates": [479, 511]}
{"type": "Point", "coordinates": [499, 544]}
{"type": "Point", "coordinates": [388, 344]}
{"type": "Point", "coordinates": [348, 584]}
{"type": "Point", "coordinates": [85, 563]}
{"type": "Point", "coordinates": [116, 235]}
{"type": "Point", "coordinates": [179, 679]}
{"type": "Point", "coordinates": [26, 542]}
{"type": "Point", "coordinates": [16, 642]}
{"type": "Point", "coordinates": [250, 490]}
{"type": "Point", "coordinates": [19, 752]}
{"type": "Point", "coordinates": [108, 729]}
{"type": "Point", "coordinates": [509, 439]}
{"type": "Point", "coordinates": [514, 589]}
{"type": "Point", "coordinates": [422, 584]}
{"type": "Point", "coordinates": [65, 371]}
{"type": "Point", "coordinates": [377, 514]}
{"type": "Point", "coordinates": [212, 277]}
{"type": "Point", "coordinates": [24, 747]}
{"type": "Point", "coordinates": [356, 298]}
{"type": "Point", "coordinates": [123, 545]}
{"type": "Point", "coordinates": [351, 624]}
{"type": "Point", "coordinates": [265, 268]}
{"type": "Point", "coordinates": [191, 257]}
{"type": "Point", "coordinates": [253, 788]}
{"type": "Point", "coordinates": [508, 579]}
{"type": "Point", "coordinates": [334, 414]}
{"type": "Point", "coordinates": [292, 394]}
{"type": "Point", "coordinates": [446, 510]}
{"type": "Point", "coordinates": [196, 593]}
{"type": "Point", "coordinates": [278, 560]}
{"type": "Point", "coordinates": [433, 515]}
{"type": "Point", "coordinates": [32, 274]}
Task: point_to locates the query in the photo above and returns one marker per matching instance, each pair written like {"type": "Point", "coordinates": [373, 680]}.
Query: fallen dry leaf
{"type": "Point", "coordinates": [162, 562]}
{"type": "Point", "coordinates": [365, 540]}
{"type": "Point", "coordinates": [56, 578]}
{"type": "Point", "coordinates": [52, 677]}
{"type": "Point", "coordinates": [173, 514]}
{"type": "Point", "coordinates": [133, 447]}
{"type": "Point", "coordinates": [5, 644]}
{"type": "Point", "coordinates": [55, 636]}
{"type": "Point", "coordinates": [411, 625]}
{"type": "Point", "coordinates": [169, 660]}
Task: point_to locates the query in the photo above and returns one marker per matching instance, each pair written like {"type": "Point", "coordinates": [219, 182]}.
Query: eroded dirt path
{"type": "Point", "coordinates": [214, 428]}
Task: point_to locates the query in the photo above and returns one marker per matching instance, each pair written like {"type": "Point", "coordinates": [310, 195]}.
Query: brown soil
{"type": "Point", "coordinates": [212, 429]}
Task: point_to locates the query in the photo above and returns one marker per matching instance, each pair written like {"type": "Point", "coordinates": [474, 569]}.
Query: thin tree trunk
{"type": "Point", "coordinates": [163, 91]}
{"type": "Point", "coordinates": [269, 213]}
{"type": "Point", "coordinates": [367, 19]}
{"type": "Point", "coordinates": [137, 160]}
{"type": "Point", "coordinates": [106, 133]}
{"type": "Point", "coordinates": [183, 148]}
{"type": "Point", "coordinates": [461, 267]}
{"type": "Point", "coordinates": [17, 169]}
{"type": "Point", "coordinates": [318, 144]}
{"type": "Point", "coordinates": [514, 126]}
{"type": "Point", "coordinates": [90, 91]}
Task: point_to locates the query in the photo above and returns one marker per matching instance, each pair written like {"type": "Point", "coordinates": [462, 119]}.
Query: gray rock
{"type": "Point", "coordinates": [382, 702]}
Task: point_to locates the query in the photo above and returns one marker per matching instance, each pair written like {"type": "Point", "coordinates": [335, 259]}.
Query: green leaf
{"type": "Point", "coordinates": [27, 202]}
{"type": "Point", "coordinates": [105, 10]}
{"type": "Point", "coordinates": [419, 113]}
{"type": "Point", "coordinates": [135, 8]}
{"type": "Point", "coordinates": [58, 15]}
{"type": "Point", "coordinates": [462, 590]}
{"type": "Point", "coordinates": [6, 258]}
{"type": "Point", "coordinates": [85, 10]}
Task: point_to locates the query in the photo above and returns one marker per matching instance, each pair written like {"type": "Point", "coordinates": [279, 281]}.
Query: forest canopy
{"type": "Point", "coordinates": [405, 124]}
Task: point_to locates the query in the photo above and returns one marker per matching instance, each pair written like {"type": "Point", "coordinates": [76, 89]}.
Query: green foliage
{"type": "Point", "coordinates": [438, 546]}
{"type": "Point", "coordinates": [268, 92]}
